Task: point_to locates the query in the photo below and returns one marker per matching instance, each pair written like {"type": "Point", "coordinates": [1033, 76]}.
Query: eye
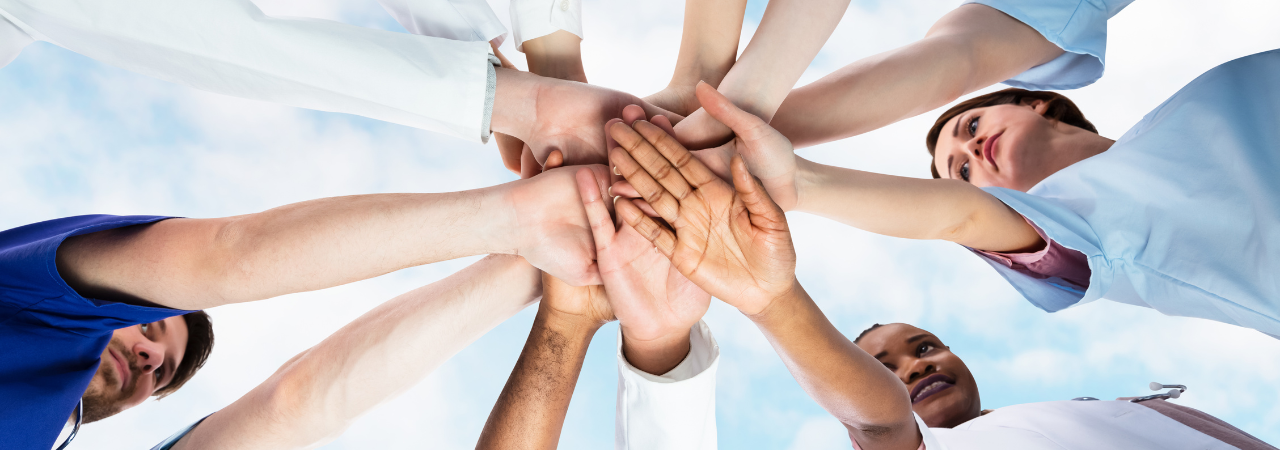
{"type": "Point", "coordinates": [144, 327]}
{"type": "Point", "coordinates": [924, 348]}
{"type": "Point", "coordinates": [964, 171]}
{"type": "Point", "coordinates": [972, 126]}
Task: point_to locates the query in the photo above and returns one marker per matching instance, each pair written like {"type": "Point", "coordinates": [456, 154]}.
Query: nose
{"type": "Point", "coordinates": [919, 369]}
{"type": "Point", "coordinates": [974, 145]}
{"type": "Point", "coordinates": [149, 355]}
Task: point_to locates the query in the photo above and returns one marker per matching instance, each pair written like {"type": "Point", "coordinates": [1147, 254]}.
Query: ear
{"type": "Point", "coordinates": [1037, 105]}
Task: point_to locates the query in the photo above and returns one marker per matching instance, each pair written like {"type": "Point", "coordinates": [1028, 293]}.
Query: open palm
{"type": "Point", "coordinates": [731, 240]}
{"type": "Point", "coordinates": [650, 297]}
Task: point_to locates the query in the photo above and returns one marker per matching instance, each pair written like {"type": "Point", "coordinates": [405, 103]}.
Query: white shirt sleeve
{"type": "Point", "coordinates": [230, 47]}
{"type": "Point", "coordinates": [531, 19]}
{"type": "Point", "coordinates": [460, 20]}
{"type": "Point", "coordinates": [672, 411]}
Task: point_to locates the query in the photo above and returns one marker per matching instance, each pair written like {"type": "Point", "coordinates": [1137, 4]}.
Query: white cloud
{"type": "Point", "coordinates": [83, 138]}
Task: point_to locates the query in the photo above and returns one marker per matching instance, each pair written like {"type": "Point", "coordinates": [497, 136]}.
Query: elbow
{"type": "Point", "coordinates": [228, 262]}
{"type": "Point", "coordinates": [293, 407]}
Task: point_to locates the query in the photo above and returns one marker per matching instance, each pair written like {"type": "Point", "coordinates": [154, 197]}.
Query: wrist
{"type": "Point", "coordinates": [515, 102]}
{"type": "Point", "coordinates": [808, 183]}
{"type": "Point", "coordinates": [658, 355]}
{"type": "Point", "coordinates": [556, 55]}
{"type": "Point", "coordinates": [779, 305]}
{"type": "Point", "coordinates": [573, 326]}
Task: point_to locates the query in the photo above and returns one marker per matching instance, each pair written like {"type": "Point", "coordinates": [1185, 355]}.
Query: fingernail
{"type": "Point", "coordinates": [610, 191]}
{"type": "Point", "coordinates": [615, 200]}
{"type": "Point", "coordinates": [615, 171]}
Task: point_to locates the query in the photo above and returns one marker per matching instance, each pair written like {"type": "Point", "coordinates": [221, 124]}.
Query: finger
{"type": "Point", "coordinates": [664, 204]}
{"type": "Point", "coordinates": [744, 124]}
{"type": "Point", "coordinates": [691, 169]}
{"type": "Point", "coordinates": [632, 113]}
{"type": "Point", "coordinates": [623, 189]}
{"type": "Point", "coordinates": [652, 111]}
{"type": "Point", "coordinates": [663, 239]}
{"type": "Point", "coordinates": [529, 165]}
{"type": "Point", "coordinates": [764, 212]}
{"type": "Point", "coordinates": [554, 160]}
{"type": "Point", "coordinates": [664, 123]}
{"type": "Point", "coordinates": [602, 227]}
{"type": "Point", "coordinates": [650, 159]}
{"type": "Point", "coordinates": [509, 148]}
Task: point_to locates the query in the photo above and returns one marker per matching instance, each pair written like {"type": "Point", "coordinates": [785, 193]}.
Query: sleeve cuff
{"type": "Point", "coordinates": [490, 92]}
{"type": "Point", "coordinates": [703, 352]}
{"type": "Point", "coordinates": [532, 19]}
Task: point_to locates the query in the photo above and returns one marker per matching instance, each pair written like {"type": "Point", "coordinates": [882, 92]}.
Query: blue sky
{"type": "Point", "coordinates": [82, 137]}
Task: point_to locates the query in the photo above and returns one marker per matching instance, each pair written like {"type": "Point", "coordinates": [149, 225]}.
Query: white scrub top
{"type": "Point", "coordinates": [1079, 27]}
{"type": "Point", "coordinates": [1070, 425]}
{"type": "Point", "coordinates": [230, 47]}
{"type": "Point", "coordinates": [1182, 213]}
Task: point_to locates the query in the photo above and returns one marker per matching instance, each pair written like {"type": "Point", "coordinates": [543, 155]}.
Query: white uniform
{"type": "Point", "coordinates": [679, 413]}
{"type": "Point", "coordinates": [230, 47]}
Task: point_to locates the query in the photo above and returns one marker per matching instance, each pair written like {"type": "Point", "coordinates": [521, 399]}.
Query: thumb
{"type": "Point", "coordinates": [764, 212]}
{"type": "Point", "coordinates": [744, 124]}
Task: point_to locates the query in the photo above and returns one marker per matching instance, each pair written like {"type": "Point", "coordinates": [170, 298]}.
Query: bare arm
{"type": "Point", "coordinates": [316, 396]}
{"type": "Point", "coordinates": [912, 208]}
{"type": "Point", "coordinates": [970, 48]}
{"type": "Point", "coordinates": [847, 382]}
{"type": "Point", "coordinates": [790, 35]}
{"type": "Point", "coordinates": [708, 49]}
{"type": "Point", "coordinates": [201, 263]}
{"type": "Point", "coordinates": [530, 411]}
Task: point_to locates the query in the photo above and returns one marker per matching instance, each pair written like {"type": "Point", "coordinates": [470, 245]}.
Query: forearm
{"type": "Point", "coordinates": [657, 355]}
{"type": "Point", "coordinates": [530, 412]}
{"type": "Point", "coordinates": [846, 381]}
{"type": "Point", "coordinates": [316, 396]}
{"type": "Point", "coordinates": [201, 263]}
{"type": "Point", "coordinates": [556, 55]}
{"type": "Point", "coordinates": [790, 35]}
{"type": "Point", "coordinates": [970, 48]}
{"type": "Point", "coordinates": [911, 208]}
{"type": "Point", "coordinates": [709, 42]}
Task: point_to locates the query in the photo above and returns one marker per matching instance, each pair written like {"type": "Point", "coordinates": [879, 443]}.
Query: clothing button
{"type": "Point", "coordinates": [564, 5]}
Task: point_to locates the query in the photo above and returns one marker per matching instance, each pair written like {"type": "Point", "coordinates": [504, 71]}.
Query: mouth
{"type": "Point", "coordinates": [989, 149]}
{"type": "Point", "coordinates": [122, 369]}
{"type": "Point", "coordinates": [931, 385]}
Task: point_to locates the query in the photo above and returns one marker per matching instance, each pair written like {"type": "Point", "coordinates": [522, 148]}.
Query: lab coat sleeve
{"type": "Point", "coordinates": [230, 47]}
{"type": "Point", "coordinates": [672, 411]}
{"type": "Point", "coordinates": [460, 20]}
{"type": "Point", "coordinates": [532, 19]}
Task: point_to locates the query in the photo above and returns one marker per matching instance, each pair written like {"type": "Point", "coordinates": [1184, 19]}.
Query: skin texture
{"type": "Point", "coordinates": [734, 242]}
{"type": "Point", "coordinates": [529, 413]}
{"type": "Point", "coordinates": [202, 263]}
{"type": "Point", "coordinates": [789, 36]}
{"type": "Point", "coordinates": [556, 55]}
{"type": "Point", "coordinates": [708, 49]}
{"type": "Point", "coordinates": [914, 354]}
{"type": "Point", "coordinates": [971, 47]}
{"type": "Point", "coordinates": [314, 397]}
{"type": "Point", "coordinates": [135, 364]}
{"type": "Point", "coordinates": [1011, 146]}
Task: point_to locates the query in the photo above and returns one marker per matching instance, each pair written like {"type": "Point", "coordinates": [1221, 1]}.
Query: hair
{"type": "Point", "coordinates": [864, 332]}
{"type": "Point", "coordinates": [199, 346]}
{"type": "Point", "coordinates": [1057, 107]}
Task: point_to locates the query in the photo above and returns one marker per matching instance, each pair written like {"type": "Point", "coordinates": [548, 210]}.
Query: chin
{"type": "Point", "coordinates": [944, 410]}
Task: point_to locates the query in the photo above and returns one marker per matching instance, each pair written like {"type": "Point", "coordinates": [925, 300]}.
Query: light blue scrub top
{"type": "Point", "coordinates": [1077, 26]}
{"type": "Point", "coordinates": [1182, 213]}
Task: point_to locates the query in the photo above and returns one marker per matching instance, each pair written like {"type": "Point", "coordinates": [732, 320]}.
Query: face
{"type": "Point", "coordinates": [1012, 146]}
{"type": "Point", "coordinates": [943, 392]}
{"type": "Point", "coordinates": [138, 361]}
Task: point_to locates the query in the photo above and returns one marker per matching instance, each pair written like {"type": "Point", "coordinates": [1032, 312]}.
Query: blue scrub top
{"type": "Point", "coordinates": [1182, 213]}
{"type": "Point", "coordinates": [1078, 27]}
{"type": "Point", "coordinates": [52, 338]}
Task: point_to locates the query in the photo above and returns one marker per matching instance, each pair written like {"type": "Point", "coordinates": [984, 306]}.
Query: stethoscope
{"type": "Point", "coordinates": [76, 429]}
{"type": "Point", "coordinates": [1174, 391]}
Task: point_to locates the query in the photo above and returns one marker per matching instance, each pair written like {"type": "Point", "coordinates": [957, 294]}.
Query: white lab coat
{"type": "Point", "coordinates": [230, 47]}
{"type": "Point", "coordinates": [677, 411]}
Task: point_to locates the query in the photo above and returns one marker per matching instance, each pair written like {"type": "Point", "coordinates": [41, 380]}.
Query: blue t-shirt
{"type": "Point", "coordinates": [51, 338]}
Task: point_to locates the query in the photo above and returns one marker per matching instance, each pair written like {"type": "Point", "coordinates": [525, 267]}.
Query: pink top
{"type": "Point", "coordinates": [1053, 260]}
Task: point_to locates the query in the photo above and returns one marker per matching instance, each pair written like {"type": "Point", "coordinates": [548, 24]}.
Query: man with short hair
{"type": "Point", "coordinates": [90, 304]}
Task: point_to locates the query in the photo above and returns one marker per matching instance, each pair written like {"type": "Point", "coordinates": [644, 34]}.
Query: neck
{"type": "Point", "coordinates": [1078, 144]}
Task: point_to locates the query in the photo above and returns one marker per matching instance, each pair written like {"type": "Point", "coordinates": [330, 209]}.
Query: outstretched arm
{"type": "Point", "coordinates": [708, 49]}
{"type": "Point", "coordinates": [968, 49]}
{"type": "Point", "coordinates": [318, 394]}
{"type": "Point", "coordinates": [790, 34]}
{"type": "Point", "coordinates": [201, 263]}
{"type": "Point", "coordinates": [733, 241]}
{"type": "Point", "coordinates": [530, 411]}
